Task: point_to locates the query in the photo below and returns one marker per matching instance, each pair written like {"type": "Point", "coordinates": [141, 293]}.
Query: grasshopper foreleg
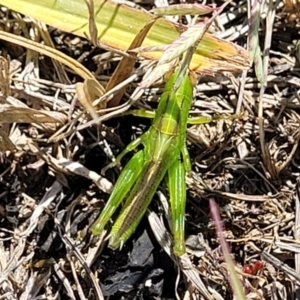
{"type": "Point", "coordinates": [128, 149]}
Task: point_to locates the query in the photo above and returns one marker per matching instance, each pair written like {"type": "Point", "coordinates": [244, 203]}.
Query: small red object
{"type": "Point", "coordinates": [252, 269]}
{"type": "Point", "coordinates": [258, 265]}
{"type": "Point", "coordinates": [248, 269]}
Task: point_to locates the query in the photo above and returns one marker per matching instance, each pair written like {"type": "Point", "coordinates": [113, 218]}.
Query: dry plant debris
{"type": "Point", "coordinates": [51, 190]}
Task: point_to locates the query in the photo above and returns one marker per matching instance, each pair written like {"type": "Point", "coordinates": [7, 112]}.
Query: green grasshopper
{"type": "Point", "coordinates": [164, 152]}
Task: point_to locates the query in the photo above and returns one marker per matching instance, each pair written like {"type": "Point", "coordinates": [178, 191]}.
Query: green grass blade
{"type": "Point", "coordinates": [117, 29]}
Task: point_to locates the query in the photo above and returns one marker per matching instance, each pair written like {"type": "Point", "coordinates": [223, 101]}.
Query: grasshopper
{"type": "Point", "coordinates": [164, 153]}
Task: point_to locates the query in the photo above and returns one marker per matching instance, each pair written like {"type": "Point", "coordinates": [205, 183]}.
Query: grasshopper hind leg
{"type": "Point", "coordinates": [124, 184]}
{"type": "Point", "coordinates": [177, 190]}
